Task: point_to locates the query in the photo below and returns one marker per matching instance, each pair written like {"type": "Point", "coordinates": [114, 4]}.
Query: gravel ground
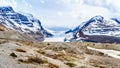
{"type": "Point", "coordinates": [28, 54]}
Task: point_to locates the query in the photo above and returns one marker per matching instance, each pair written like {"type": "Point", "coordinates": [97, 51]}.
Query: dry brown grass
{"type": "Point", "coordinates": [34, 59]}
{"type": "Point", "coordinates": [71, 64]}
{"type": "Point", "coordinates": [28, 43]}
{"type": "Point", "coordinates": [50, 65]}
{"type": "Point", "coordinates": [20, 50]}
{"type": "Point", "coordinates": [67, 53]}
{"type": "Point", "coordinates": [3, 41]}
{"type": "Point", "coordinates": [37, 60]}
{"type": "Point", "coordinates": [103, 62]}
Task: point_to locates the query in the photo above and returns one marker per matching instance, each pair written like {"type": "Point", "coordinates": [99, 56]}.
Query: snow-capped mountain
{"type": "Point", "coordinates": [21, 22]}
{"type": "Point", "coordinates": [96, 29]}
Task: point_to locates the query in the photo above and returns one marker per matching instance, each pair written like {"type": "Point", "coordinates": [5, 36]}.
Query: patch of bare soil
{"type": "Point", "coordinates": [28, 54]}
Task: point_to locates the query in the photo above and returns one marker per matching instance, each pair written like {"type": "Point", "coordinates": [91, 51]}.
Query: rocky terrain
{"type": "Point", "coordinates": [29, 54]}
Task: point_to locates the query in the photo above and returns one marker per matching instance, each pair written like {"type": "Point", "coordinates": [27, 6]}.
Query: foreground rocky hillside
{"type": "Point", "coordinates": [28, 54]}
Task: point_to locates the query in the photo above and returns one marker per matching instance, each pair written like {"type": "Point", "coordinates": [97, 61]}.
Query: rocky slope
{"type": "Point", "coordinates": [97, 29]}
{"type": "Point", "coordinates": [28, 54]}
{"type": "Point", "coordinates": [6, 33]}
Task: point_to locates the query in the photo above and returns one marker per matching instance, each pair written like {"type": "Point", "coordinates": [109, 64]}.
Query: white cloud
{"type": "Point", "coordinates": [86, 11]}
{"type": "Point", "coordinates": [42, 1]}
{"type": "Point", "coordinates": [60, 13]}
{"type": "Point", "coordinates": [27, 4]}
{"type": "Point", "coordinates": [112, 5]}
{"type": "Point", "coordinates": [12, 3]}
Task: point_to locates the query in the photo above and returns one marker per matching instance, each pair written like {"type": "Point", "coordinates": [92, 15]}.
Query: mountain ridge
{"type": "Point", "coordinates": [21, 22]}
{"type": "Point", "coordinates": [96, 27]}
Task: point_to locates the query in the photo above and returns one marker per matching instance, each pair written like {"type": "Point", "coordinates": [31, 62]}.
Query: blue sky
{"type": "Point", "coordinates": [65, 13]}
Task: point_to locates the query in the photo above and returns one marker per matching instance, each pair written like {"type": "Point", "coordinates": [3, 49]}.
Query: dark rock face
{"type": "Point", "coordinates": [23, 23]}
{"type": "Point", "coordinates": [97, 29]}
{"type": "Point", "coordinates": [101, 39]}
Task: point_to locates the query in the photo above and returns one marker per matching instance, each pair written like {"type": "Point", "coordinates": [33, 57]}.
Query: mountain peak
{"type": "Point", "coordinates": [6, 9]}
{"type": "Point", "coordinates": [96, 29]}
{"type": "Point", "coordinates": [97, 18]}
{"type": "Point", "coordinates": [22, 22]}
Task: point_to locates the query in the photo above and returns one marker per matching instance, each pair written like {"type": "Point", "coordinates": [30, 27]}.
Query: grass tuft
{"type": "Point", "coordinates": [33, 59]}
{"type": "Point", "coordinates": [71, 64]}
{"type": "Point", "coordinates": [53, 65]}
{"type": "Point", "coordinates": [13, 55]}
{"type": "Point", "coordinates": [20, 50]}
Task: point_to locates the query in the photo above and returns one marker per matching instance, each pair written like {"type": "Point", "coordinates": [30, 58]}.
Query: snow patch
{"type": "Point", "coordinates": [112, 53]}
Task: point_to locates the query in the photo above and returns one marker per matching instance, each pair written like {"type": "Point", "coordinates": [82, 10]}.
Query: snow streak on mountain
{"type": "Point", "coordinates": [24, 23]}
{"type": "Point", "coordinates": [97, 29]}
{"type": "Point", "coordinates": [64, 12]}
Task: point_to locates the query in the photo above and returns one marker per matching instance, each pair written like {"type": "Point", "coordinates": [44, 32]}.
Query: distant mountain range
{"type": "Point", "coordinates": [27, 27]}
{"type": "Point", "coordinates": [21, 22]}
{"type": "Point", "coordinates": [97, 29]}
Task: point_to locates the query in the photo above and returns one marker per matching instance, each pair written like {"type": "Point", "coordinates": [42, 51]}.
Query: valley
{"type": "Point", "coordinates": [26, 43]}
